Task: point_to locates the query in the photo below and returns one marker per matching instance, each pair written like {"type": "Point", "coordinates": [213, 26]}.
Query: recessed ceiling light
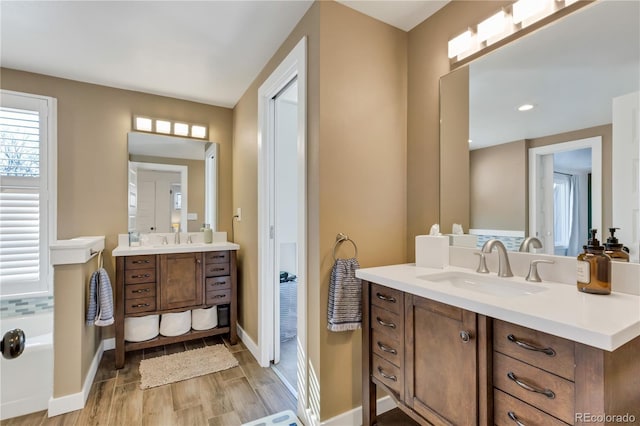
{"type": "Point", "coordinates": [525, 107]}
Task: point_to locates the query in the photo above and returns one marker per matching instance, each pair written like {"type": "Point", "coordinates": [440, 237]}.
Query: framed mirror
{"type": "Point", "coordinates": [564, 164]}
{"type": "Point", "coordinates": [172, 183]}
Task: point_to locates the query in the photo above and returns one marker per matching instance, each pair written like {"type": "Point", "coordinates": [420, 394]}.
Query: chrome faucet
{"type": "Point", "coordinates": [504, 269]}
{"type": "Point", "coordinates": [530, 242]}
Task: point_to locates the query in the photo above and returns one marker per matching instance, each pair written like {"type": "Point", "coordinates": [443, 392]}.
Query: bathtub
{"type": "Point", "coordinates": [27, 381]}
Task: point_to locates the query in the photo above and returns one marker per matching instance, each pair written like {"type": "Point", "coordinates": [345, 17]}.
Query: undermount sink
{"type": "Point", "coordinates": [484, 284]}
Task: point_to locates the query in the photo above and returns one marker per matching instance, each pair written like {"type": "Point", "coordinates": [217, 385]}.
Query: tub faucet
{"type": "Point", "coordinates": [504, 269]}
{"type": "Point", "coordinates": [530, 242]}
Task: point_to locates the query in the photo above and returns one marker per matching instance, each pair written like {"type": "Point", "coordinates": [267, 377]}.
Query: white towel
{"type": "Point", "coordinates": [345, 297]}
{"type": "Point", "coordinates": [100, 309]}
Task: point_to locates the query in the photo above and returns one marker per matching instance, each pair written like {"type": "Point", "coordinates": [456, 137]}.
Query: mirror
{"type": "Point", "coordinates": [172, 183]}
{"type": "Point", "coordinates": [518, 162]}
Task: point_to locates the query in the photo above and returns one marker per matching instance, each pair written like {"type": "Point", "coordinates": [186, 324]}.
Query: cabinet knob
{"type": "Point", "coordinates": [465, 336]}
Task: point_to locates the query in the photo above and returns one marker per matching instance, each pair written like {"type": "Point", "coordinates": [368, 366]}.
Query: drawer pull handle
{"type": "Point", "coordinates": [140, 305]}
{"type": "Point", "coordinates": [546, 392]}
{"type": "Point", "coordinates": [220, 283]}
{"type": "Point", "coordinates": [137, 262]}
{"type": "Point", "coordinates": [385, 324]}
{"type": "Point", "coordinates": [525, 345]}
{"type": "Point", "coordinates": [141, 276]}
{"type": "Point", "coordinates": [219, 296]}
{"type": "Point", "coordinates": [220, 256]}
{"type": "Point", "coordinates": [386, 376]}
{"type": "Point", "coordinates": [387, 349]}
{"type": "Point", "coordinates": [515, 418]}
{"type": "Point", "coordinates": [143, 290]}
{"type": "Point", "coordinates": [386, 298]}
{"type": "Point", "coordinates": [218, 269]}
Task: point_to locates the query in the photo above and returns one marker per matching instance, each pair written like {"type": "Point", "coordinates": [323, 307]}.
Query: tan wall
{"type": "Point", "coordinates": [498, 199]}
{"type": "Point", "coordinates": [454, 150]}
{"type": "Point", "coordinates": [606, 132]}
{"type": "Point", "coordinates": [356, 172]}
{"type": "Point", "coordinates": [75, 343]}
{"type": "Point", "coordinates": [428, 61]}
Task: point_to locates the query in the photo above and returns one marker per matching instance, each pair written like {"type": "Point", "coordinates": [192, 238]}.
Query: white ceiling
{"type": "Point", "coordinates": [203, 51]}
{"type": "Point", "coordinates": [570, 71]}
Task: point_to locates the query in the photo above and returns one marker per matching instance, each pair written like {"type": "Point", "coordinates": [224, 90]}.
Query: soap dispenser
{"type": "Point", "coordinates": [593, 272]}
{"type": "Point", "coordinates": [208, 233]}
{"type": "Point", "coordinates": [614, 249]}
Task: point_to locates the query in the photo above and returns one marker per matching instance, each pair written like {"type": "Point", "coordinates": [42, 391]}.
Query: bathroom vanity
{"type": "Point", "coordinates": [454, 347]}
{"type": "Point", "coordinates": [162, 279]}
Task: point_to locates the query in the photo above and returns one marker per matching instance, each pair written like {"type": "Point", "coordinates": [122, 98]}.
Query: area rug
{"type": "Point", "coordinates": [283, 418]}
{"type": "Point", "coordinates": [172, 368]}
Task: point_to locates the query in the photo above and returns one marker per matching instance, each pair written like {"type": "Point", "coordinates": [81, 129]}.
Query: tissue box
{"type": "Point", "coordinates": [463, 240]}
{"type": "Point", "coordinates": [432, 251]}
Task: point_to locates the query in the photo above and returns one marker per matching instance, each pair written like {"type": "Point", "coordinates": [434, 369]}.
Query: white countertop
{"type": "Point", "coordinates": [126, 250]}
{"type": "Point", "coordinates": [603, 321]}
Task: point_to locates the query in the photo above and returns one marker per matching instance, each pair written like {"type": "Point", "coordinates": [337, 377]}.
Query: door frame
{"type": "Point", "coordinates": [293, 66]}
{"type": "Point", "coordinates": [595, 143]}
{"type": "Point", "coordinates": [211, 186]}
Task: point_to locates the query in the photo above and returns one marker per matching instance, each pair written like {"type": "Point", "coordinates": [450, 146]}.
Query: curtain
{"type": "Point", "coordinates": [578, 213]}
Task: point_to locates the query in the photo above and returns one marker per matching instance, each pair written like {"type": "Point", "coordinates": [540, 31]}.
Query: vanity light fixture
{"type": "Point", "coordinates": [170, 127]}
{"type": "Point", "coordinates": [525, 107]}
{"type": "Point", "coordinates": [491, 27]}
{"type": "Point", "coordinates": [508, 21]}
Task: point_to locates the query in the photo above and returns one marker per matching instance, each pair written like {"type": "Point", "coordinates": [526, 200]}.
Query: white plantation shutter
{"type": "Point", "coordinates": [24, 266]}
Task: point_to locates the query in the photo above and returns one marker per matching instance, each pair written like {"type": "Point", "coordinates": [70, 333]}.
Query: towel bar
{"type": "Point", "coordinates": [340, 238]}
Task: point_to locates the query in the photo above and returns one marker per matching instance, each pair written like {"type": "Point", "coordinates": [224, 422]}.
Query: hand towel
{"type": "Point", "coordinates": [345, 296]}
{"type": "Point", "coordinates": [100, 309]}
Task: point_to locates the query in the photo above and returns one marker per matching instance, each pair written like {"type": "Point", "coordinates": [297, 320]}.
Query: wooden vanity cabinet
{"type": "Point", "coordinates": [174, 282]}
{"type": "Point", "coordinates": [425, 354]}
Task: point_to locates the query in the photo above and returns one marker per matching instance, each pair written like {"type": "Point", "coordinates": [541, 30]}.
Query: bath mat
{"type": "Point", "coordinates": [283, 418]}
{"type": "Point", "coordinates": [185, 365]}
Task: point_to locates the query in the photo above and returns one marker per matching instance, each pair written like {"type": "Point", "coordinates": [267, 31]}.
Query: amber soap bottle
{"type": "Point", "coordinates": [594, 272]}
{"type": "Point", "coordinates": [614, 249]}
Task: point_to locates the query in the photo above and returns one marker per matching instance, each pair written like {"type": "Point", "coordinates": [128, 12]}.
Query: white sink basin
{"type": "Point", "coordinates": [484, 284]}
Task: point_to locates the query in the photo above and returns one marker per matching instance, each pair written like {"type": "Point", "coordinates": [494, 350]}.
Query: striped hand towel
{"type": "Point", "coordinates": [100, 309]}
{"type": "Point", "coordinates": [345, 296]}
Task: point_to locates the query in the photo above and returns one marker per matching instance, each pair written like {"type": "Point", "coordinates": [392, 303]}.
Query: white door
{"type": "Point", "coordinates": [626, 172]}
{"type": "Point", "coordinates": [146, 213]}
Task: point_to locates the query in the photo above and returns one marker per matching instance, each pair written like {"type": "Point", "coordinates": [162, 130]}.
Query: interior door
{"type": "Point", "coordinates": [146, 213]}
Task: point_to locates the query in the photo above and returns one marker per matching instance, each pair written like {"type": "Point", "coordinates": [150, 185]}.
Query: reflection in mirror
{"type": "Point", "coordinates": [172, 183]}
{"type": "Point", "coordinates": [583, 85]}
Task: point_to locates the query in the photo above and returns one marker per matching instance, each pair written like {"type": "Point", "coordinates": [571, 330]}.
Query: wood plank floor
{"type": "Point", "coordinates": [225, 398]}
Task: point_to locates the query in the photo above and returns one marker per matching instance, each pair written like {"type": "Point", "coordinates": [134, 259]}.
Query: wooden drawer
{"type": "Point", "coordinates": [507, 411]}
{"type": "Point", "coordinates": [216, 257]}
{"type": "Point", "coordinates": [388, 374]}
{"type": "Point", "coordinates": [136, 291]}
{"type": "Point", "coordinates": [143, 304]}
{"type": "Point", "coordinates": [387, 298]}
{"type": "Point", "coordinates": [387, 322]}
{"type": "Point", "coordinates": [217, 283]}
{"type": "Point", "coordinates": [218, 297]}
{"type": "Point", "coordinates": [139, 276]}
{"type": "Point", "coordinates": [216, 269]}
{"type": "Point", "coordinates": [140, 262]}
{"type": "Point", "coordinates": [559, 404]}
{"type": "Point", "coordinates": [513, 340]}
{"type": "Point", "coordinates": [388, 347]}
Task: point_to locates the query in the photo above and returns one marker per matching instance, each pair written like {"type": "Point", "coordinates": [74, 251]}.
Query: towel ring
{"type": "Point", "coordinates": [340, 238]}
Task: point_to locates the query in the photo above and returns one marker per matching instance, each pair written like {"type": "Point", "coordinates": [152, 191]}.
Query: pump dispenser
{"type": "Point", "coordinates": [594, 272]}
{"type": "Point", "coordinates": [614, 249]}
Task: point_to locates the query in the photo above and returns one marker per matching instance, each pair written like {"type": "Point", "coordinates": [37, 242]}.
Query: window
{"type": "Point", "coordinates": [27, 192]}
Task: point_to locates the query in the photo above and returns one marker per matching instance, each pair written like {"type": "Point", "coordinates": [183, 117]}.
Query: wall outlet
{"type": "Point", "coordinates": [239, 214]}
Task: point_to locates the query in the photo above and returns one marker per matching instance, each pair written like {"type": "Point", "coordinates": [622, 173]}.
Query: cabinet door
{"type": "Point", "coordinates": [180, 280]}
{"type": "Point", "coordinates": [441, 362]}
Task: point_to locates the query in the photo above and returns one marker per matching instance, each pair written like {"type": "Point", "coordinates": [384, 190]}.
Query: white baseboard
{"type": "Point", "coordinates": [77, 401]}
{"type": "Point", "coordinates": [354, 417]}
{"type": "Point", "coordinates": [108, 344]}
{"type": "Point", "coordinates": [250, 344]}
